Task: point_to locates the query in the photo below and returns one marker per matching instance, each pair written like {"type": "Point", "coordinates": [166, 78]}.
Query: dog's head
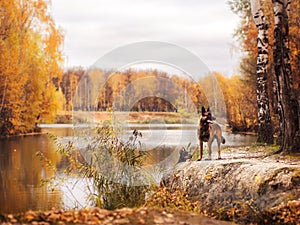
{"type": "Point", "coordinates": [184, 155]}
{"type": "Point", "coordinates": [206, 117]}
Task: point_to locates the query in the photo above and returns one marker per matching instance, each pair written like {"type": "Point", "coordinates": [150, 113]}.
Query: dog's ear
{"type": "Point", "coordinates": [208, 110]}
{"type": "Point", "coordinates": [203, 110]}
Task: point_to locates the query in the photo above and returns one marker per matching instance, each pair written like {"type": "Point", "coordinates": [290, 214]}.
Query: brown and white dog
{"type": "Point", "coordinates": [207, 132]}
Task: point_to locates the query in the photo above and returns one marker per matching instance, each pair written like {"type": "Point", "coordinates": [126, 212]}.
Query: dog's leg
{"type": "Point", "coordinates": [219, 148]}
{"type": "Point", "coordinates": [209, 147]}
{"type": "Point", "coordinates": [200, 150]}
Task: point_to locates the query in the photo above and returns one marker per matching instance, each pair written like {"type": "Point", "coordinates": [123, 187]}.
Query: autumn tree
{"type": "Point", "coordinates": [288, 106]}
{"type": "Point", "coordinates": [247, 34]}
{"type": "Point", "coordinates": [30, 65]}
{"type": "Point", "coordinates": [68, 85]}
{"type": "Point", "coordinates": [254, 65]}
{"type": "Point", "coordinates": [214, 94]}
{"type": "Point", "coordinates": [240, 107]}
{"type": "Point", "coordinates": [265, 131]}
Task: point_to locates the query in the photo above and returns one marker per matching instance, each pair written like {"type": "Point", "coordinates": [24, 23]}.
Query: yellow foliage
{"type": "Point", "coordinates": [240, 106]}
{"type": "Point", "coordinates": [30, 65]}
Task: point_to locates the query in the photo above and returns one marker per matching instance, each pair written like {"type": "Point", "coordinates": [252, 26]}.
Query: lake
{"type": "Point", "coordinates": [21, 170]}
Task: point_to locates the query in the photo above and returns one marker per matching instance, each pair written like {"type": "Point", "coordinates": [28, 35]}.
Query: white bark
{"type": "Point", "coordinates": [264, 118]}
{"type": "Point", "coordinates": [262, 39]}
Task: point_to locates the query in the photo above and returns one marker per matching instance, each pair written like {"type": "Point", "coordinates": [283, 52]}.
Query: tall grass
{"type": "Point", "coordinates": [113, 167]}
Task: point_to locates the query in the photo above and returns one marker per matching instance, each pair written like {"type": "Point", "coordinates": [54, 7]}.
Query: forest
{"type": "Point", "coordinates": [34, 87]}
{"type": "Point", "coordinates": [182, 95]}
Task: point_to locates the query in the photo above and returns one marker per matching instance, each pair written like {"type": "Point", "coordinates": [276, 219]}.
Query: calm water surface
{"type": "Point", "coordinates": [21, 170]}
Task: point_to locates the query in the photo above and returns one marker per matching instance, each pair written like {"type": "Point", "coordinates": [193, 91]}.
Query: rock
{"type": "Point", "coordinates": [236, 187]}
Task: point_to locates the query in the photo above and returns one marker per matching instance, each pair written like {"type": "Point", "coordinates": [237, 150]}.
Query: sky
{"type": "Point", "coordinates": [93, 28]}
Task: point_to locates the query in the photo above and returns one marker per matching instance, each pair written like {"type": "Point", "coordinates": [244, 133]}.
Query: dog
{"type": "Point", "coordinates": [184, 155]}
{"type": "Point", "coordinates": [207, 132]}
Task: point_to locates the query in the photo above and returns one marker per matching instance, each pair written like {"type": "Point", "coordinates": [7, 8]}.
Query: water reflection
{"type": "Point", "coordinates": [21, 173]}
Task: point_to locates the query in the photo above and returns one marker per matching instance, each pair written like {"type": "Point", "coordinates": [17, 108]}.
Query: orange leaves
{"type": "Point", "coordinates": [240, 102]}
{"type": "Point", "coordinates": [152, 90]}
{"type": "Point", "coordinates": [164, 198]}
{"type": "Point", "coordinates": [288, 213]}
{"type": "Point", "coordinates": [25, 29]}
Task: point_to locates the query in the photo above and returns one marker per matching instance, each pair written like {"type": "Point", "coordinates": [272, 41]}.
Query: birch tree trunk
{"type": "Point", "coordinates": [265, 131]}
{"type": "Point", "coordinates": [288, 107]}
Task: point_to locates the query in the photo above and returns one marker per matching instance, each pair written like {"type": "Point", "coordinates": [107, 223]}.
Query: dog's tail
{"type": "Point", "coordinates": [223, 140]}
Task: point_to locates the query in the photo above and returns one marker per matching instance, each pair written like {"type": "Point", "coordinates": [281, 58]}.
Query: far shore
{"type": "Point", "coordinates": [133, 120]}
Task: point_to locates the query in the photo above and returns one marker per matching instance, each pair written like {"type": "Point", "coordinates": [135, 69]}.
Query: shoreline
{"type": "Point", "coordinates": [23, 135]}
